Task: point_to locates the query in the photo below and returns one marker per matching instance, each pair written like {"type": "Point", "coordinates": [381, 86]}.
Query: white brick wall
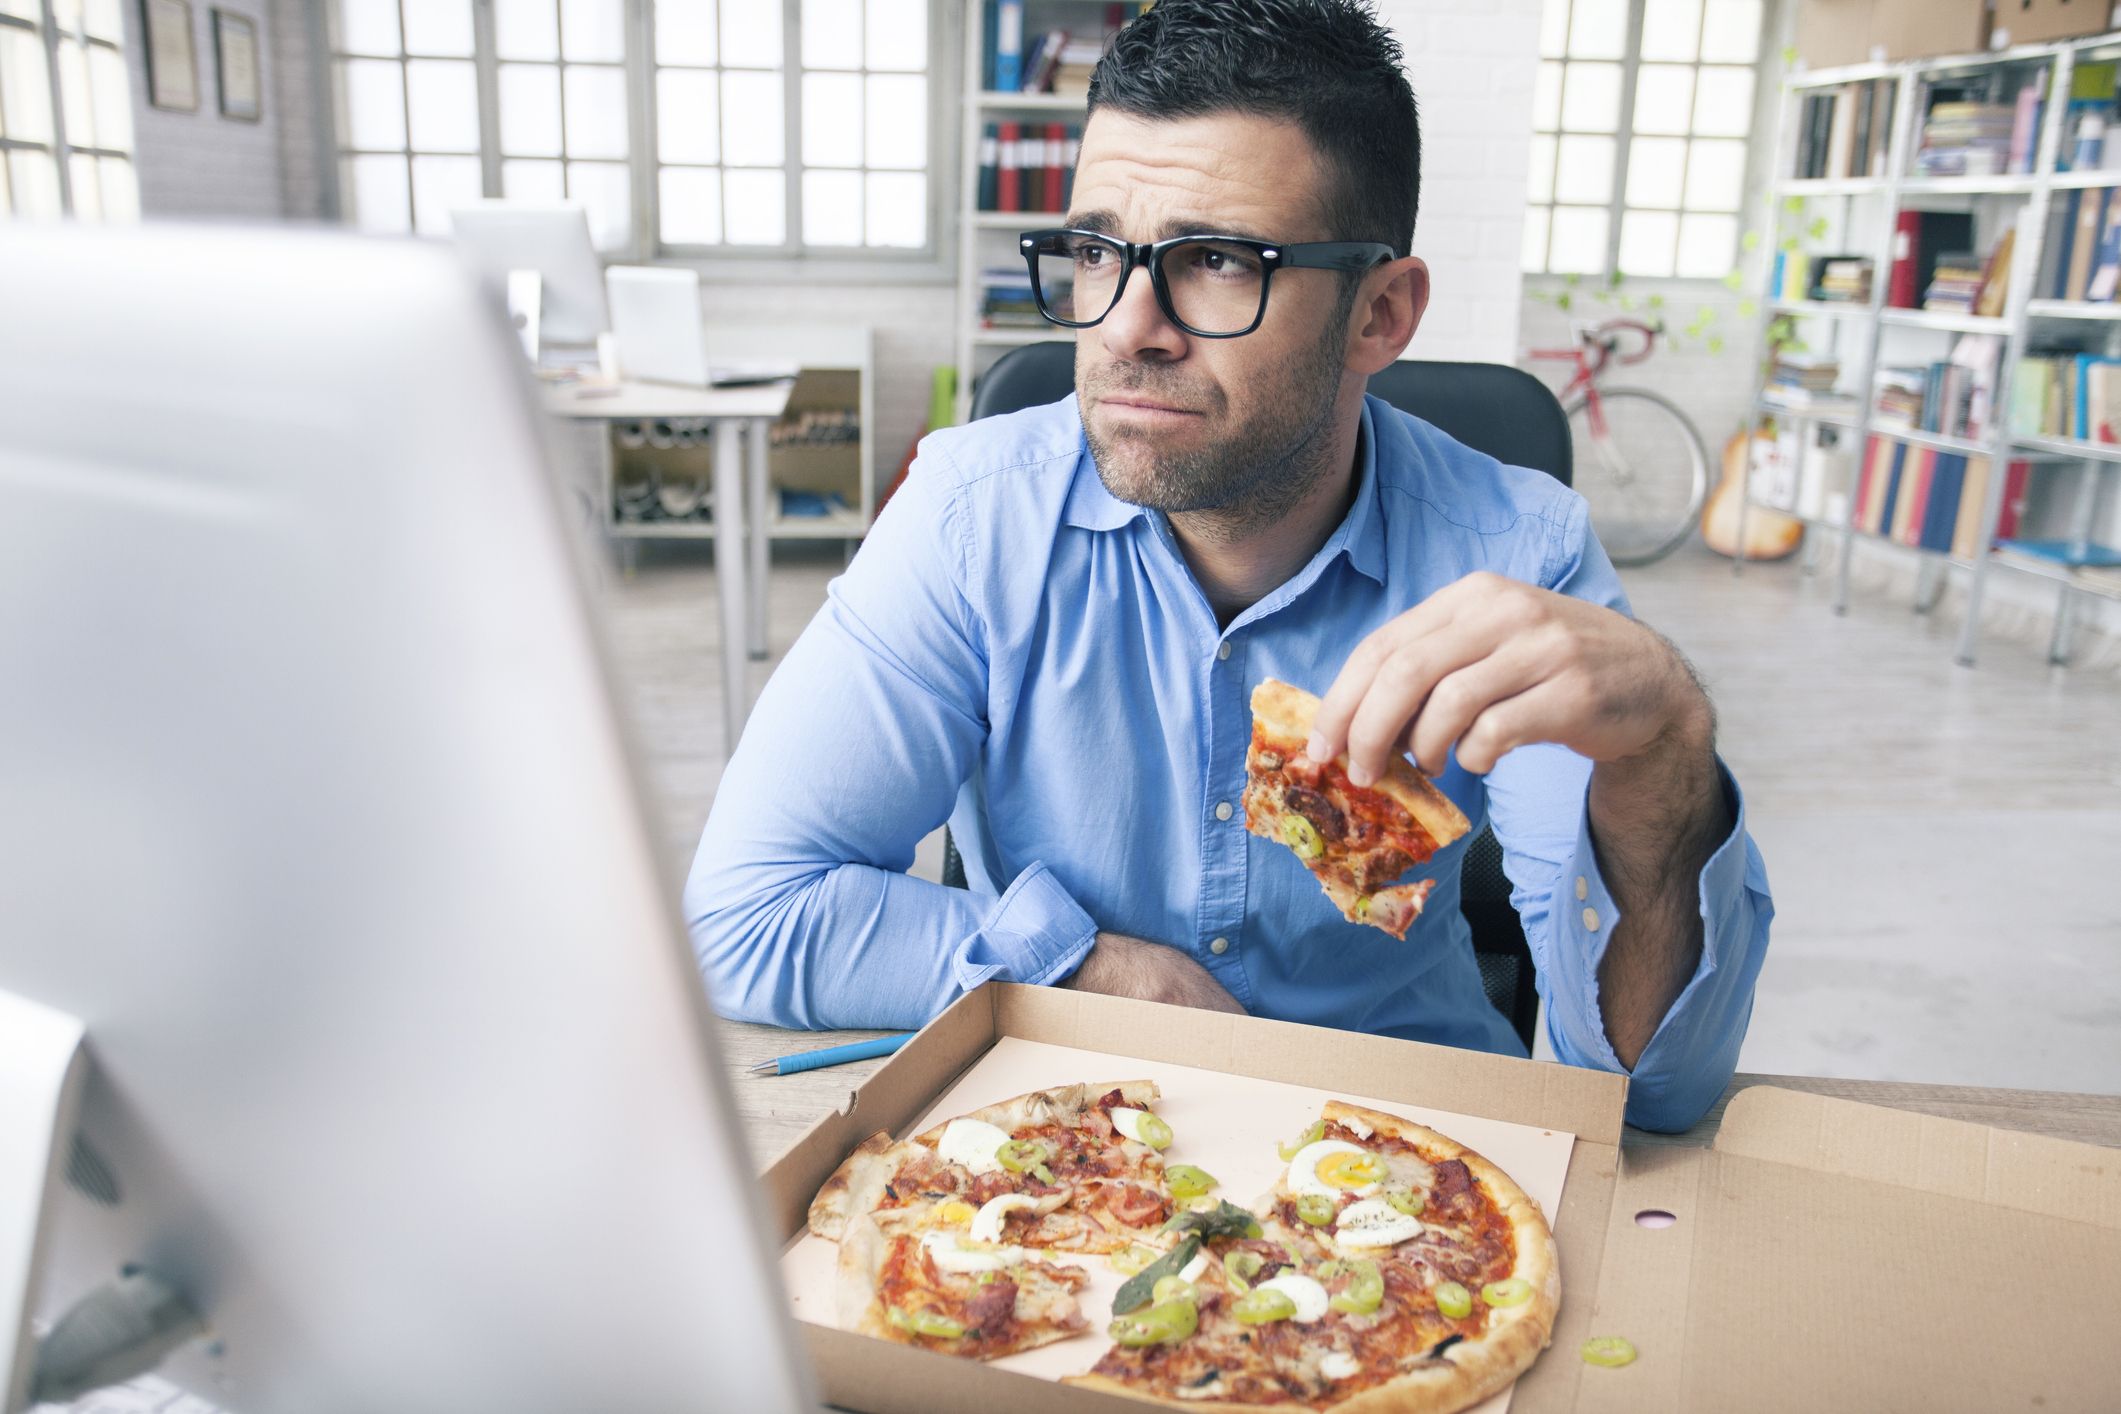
{"type": "Point", "coordinates": [200, 164]}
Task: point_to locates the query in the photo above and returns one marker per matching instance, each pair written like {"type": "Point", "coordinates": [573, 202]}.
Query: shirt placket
{"type": "Point", "coordinates": [1219, 937]}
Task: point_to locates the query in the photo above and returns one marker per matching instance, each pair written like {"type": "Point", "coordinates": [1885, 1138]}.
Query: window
{"type": "Point", "coordinates": [72, 157]}
{"type": "Point", "coordinates": [684, 126]}
{"type": "Point", "coordinates": [1641, 120]}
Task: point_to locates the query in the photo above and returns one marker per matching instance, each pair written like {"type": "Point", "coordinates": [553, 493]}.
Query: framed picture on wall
{"type": "Point", "coordinates": [172, 62]}
{"type": "Point", "coordinates": [236, 62]}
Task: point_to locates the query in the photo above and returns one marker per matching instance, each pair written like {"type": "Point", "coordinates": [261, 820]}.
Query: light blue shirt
{"type": "Point", "coordinates": [1020, 652]}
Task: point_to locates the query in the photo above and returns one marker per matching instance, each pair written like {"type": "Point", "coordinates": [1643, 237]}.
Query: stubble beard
{"type": "Point", "coordinates": [1247, 479]}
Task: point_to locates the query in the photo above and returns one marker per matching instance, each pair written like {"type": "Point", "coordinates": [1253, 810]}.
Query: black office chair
{"type": "Point", "coordinates": [1490, 407]}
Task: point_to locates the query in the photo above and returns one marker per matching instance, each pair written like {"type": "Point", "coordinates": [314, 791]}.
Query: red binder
{"type": "Point", "coordinates": [1056, 140]}
{"type": "Point", "coordinates": [1907, 250]}
{"type": "Point", "coordinates": [1009, 188]}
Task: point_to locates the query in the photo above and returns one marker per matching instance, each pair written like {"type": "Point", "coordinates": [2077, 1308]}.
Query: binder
{"type": "Point", "coordinates": [990, 153]}
{"type": "Point", "coordinates": [1009, 176]}
{"type": "Point", "coordinates": [1056, 141]}
{"type": "Point", "coordinates": [1009, 47]}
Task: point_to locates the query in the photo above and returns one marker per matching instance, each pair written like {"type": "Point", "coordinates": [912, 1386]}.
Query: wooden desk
{"type": "Point", "coordinates": [777, 1109]}
{"type": "Point", "coordinates": [740, 419]}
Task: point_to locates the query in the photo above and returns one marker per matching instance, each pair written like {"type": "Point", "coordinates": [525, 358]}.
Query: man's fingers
{"type": "Point", "coordinates": [1457, 701]}
{"type": "Point", "coordinates": [1502, 727]}
{"type": "Point", "coordinates": [1399, 689]}
{"type": "Point", "coordinates": [1329, 728]}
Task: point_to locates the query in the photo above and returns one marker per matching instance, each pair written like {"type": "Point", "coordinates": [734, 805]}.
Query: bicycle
{"type": "Point", "coordinates": [1639, 460]}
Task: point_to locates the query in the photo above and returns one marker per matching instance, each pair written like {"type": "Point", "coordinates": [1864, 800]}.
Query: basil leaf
{"type": "Point", "coordinates": [1225, 1219]}
{"type": "Point", "coordinates": [1139, 1287]}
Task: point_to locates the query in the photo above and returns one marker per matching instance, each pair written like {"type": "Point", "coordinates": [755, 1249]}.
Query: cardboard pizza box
{"type": "Point", "coordinates": [2037, 21]}
{"type": "Point", "coordinates": [1822, 1255]}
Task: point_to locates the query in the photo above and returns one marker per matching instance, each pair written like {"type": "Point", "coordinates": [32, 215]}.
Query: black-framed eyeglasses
{"type": "Point", "coordinates": [1213, 287]}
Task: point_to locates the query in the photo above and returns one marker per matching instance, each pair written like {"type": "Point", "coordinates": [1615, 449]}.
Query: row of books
{"type": "Point", "coordinates": [1047, 61]}
{"type": "Point", "coordinates": [1835, 279]}
{"type": "Point", "coordinates": [1006, 300]}
{"type": "Point", "coordinates": [1843, 131]}
{"type": "Point", "coordinates": [1028, 166]}
{"type": "Point", "coordinates": [1975, 139]}
{"type": "Point", "coordinates": [1922, 240]}
{"type": "Point", "coordinates": [1951, 397]}
{"type": "Point", "coordinates": [1803, 469]}
{"type": "Point", "coordinates": [2087, 246]}
{"type": "Point", "coordinates": [1931, 499]}
{"type": "Point", "coordinates": [2067, 395]}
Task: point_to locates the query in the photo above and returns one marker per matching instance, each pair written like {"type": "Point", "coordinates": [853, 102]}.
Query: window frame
{"type": "Point", "coordinates": [1624, 135]}
{"type": "Point", "coordinates": [62, 149]}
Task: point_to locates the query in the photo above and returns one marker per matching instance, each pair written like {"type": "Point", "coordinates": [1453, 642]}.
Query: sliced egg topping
{"type": "Point", "coordinates": [972, 1144]}
{"type": "Point", "coordinates": [951, 1212]}
{"type": "Point", "coordinates": [1332, 1167]}
{"type": "Point", "coordinates": [1310, 1298]}
{"type": "Point", "coordinates": [1372, 1222]}
{"type": "Point", "coordinates": [951, 1254]}
{"type": "Point", "coordinates": [987, 1223]}
{"type": "Point", "coordinates": [1141, 1126]}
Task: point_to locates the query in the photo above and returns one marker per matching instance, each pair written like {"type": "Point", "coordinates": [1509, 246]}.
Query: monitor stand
{"type": "Point", "coordinates": [526, 308]}
{"type": "Point", "coordinates": [42, 1063]}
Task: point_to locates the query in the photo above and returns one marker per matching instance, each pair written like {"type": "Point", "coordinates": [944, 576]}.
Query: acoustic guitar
{"type": "Point", "coordinates": [1769, 535]}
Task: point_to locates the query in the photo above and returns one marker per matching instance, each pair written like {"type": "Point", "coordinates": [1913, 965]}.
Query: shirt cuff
{"type": "Point", "coordinates": [1585, 915]}
{"type": "Point", "coordinates": [1035, 934]}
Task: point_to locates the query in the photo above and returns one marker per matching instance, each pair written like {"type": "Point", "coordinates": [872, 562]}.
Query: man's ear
{"type": "Point", "coordinates": [1388, 310]}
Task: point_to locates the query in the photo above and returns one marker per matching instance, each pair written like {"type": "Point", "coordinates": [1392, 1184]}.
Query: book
{"type": "Point", "coordinates": [989, 28]}
{"type": "Point", "coordinates": [2062, 232]}
{"type": "Point", "coordinates": [2025, 128]}
{"type": "Point", "coordinates": [1973, 502]}
{"type": "Point", "coordinates": [1940, 508]}
{"type": "Point", "coordinates": [1841, 132]}
{"type": "Point", "coordinates": [1008, 47]}
{"type": "Point", "coordinates": [1056, 147]}
{"type": "Point", "coordinates": [2102, 402]}
{"type": "Point", "coordinates": [1884, 493]}
{"type": "Point", "coordinates": [990, 150]}
{"type": "Point", "coordinates": [1996, 278]}
{"type": "Point", "coordinates": [2106, 265]}
{"type": "Point", "coordinates": [2013, 508]}
{"type": "Point", "coordinates": [2084, 240]}
{"type": "Point", "coordinates": [1009, 179]}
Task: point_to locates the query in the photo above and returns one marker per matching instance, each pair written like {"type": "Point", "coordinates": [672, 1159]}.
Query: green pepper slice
{"type": "Point", "coordinates": [1022, 1155]}
{"type": "Point", "coordinates": [1140, 1289]}
{"type": "Point", "coordinates": [1154, 1132]}
{"type": "Point", "coordinates": [1240, 1267]}
{"type": "Point", "coordinates": [1510, 1291]}
{"type": "Point", "coordinates": [1173, 1288]}
{"type": "Point", "coordinates": [1364, 1293]}
{"type": "Point", "coordinates": [1404, 1200]}
{"type": "Point", "coordinates": [1133, 1258]}
{"type": "Point", "coordinates": [1303, 1141]}
{"type": "Point", "coordinates": [1164, 1324]}
{"type": "Point", "coordinates": [1263, 1304]}
{"type": "Point", "coordinates": [1608, 1350]}
{"type": "Point", "coordinates": [1454, 1300]}
{"type": "Point", "coordinates": [1316, 1209]}
{"type": "Point", "coordinates": [1301, 835]}
{"type": "Point", "coordinates": [924, 1322]}
{"type": "Point", "coordinates": [1187, 1181]}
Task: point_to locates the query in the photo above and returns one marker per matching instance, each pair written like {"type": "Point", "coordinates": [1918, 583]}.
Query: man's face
{"type": "Point", "coordinates": [1181, 423]}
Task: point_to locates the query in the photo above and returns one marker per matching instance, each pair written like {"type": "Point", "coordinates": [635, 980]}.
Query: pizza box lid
{"type": "Point", "coordinates": [1823, 1254]}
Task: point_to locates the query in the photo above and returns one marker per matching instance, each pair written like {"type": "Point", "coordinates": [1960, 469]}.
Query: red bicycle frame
{"type": "Point", "coordinates": [1597, 345]}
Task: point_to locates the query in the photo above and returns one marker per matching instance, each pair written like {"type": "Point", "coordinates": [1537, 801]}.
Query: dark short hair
{"type": "Point", "coordinates": [1328, 66]}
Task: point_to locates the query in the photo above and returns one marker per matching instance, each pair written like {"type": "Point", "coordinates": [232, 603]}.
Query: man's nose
{"type": "Point", "coordinates": [1137, 328]}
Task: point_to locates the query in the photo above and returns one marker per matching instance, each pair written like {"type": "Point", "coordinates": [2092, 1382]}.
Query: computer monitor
{"type": "Point", "coordinates": [318, 816]}
{"type": "Point", "coordinates": [502, 239]}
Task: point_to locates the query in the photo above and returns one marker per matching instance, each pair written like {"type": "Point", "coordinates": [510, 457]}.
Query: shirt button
{"type": "Point", "coordinates": [1590, 919]}
{"type": "Point", "coordinates": [1222, 810]}
{"type": "Point", "coordinates": [1219, 946]}
{"type": "Point", "coordinates": [1583, 887]}
{"type": "Point", "coordinates": [1222, 651]}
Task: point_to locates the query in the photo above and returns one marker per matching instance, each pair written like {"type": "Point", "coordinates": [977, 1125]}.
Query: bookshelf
{"type": "Point", "coordinates": [1855, 209]}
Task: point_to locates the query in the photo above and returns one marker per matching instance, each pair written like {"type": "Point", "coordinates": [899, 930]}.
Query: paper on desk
{"type": "Point", "coordinates": [1229, 1125]}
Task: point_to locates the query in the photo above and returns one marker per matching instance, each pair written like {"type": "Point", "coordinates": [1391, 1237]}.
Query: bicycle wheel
{"type": "Point", "coordinates": [1646, 473]}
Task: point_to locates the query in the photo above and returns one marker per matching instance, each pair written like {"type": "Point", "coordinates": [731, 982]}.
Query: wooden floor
{"type": "Point", "coordinates": [1942, 841]}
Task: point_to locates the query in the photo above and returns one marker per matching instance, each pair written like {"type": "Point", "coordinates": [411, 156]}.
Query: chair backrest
{"type": "Point", "coordinates": [1490, 407]}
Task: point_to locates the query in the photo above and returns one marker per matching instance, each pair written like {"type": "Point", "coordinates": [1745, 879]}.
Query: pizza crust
{"type": "Point", "coordinates": [1287, 712]}
{"type": "Point", "coordinates": [1060, 1105]}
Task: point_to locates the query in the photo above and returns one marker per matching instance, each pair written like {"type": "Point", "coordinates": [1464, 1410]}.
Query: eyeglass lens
{"type": "Point", "coordinates": [1215, 287]}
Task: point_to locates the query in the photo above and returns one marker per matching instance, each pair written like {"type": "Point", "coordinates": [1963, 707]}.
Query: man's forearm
{"type": "Point", "coordinates": [1655, 820]}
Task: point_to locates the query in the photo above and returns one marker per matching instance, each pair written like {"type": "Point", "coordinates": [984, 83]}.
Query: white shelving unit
{"type": "Point", "coordinates": [1867, 323]}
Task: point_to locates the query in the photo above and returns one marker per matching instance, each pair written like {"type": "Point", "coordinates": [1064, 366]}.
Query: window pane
{"type": "Point", "coordinates": [442, 96]}
{"type": "Point", "coordinates": [1598, 29]}
{"type": "Point", "coordinates": [121, 191]}
{"type": "Point", "coordinates": [1646, 240]}
{"type": "Point", "coordinates": [687, 126]}
{"type": "Point", "coordinates": [1707, 245]}
{"type": "Point", "coordinates": [596, 112]}
{"type": "Point", "coordinates": [751, 121]}
{"type": "Point", "coordinates": [1546, 98]}
{"type": "Point", "coordinates": [1715, 176]}
{"type": "Point", "coordinates": [1723, 106]}
{"type": "Point", "coordinates": [898, 209]}
{"type": "Point", "coordinates": [73, 95]}
{"type": "Point", "coordinates": [373, 91]}
{"type": "Point", "coordinates": [25, 92]}
{"type": "Point", "coordinates": [382, 202]}
{"type": "Point", "coordinates": [691, 205]}
{"type": "Point", "coordinates": [1534, 256]}
{"type": "Point", "coordinates": [832, 120]}
{"type": "Point", "coordinates": [1656, 171]}
{"type": "Point", "coordinates": [897, 31]}
{"type": "Point", "coordinates": [751, 36]}
{"type": "Point", "coordinates": [368, 26]}
{"type": "Point", "coordinates": [832, 34]}
{"type": "Point", "coordinates": [533, 181]}
{"type": "Point", "coordinates": [832, 208]}
{"type": "Point", "coordinates": [684, 31]}
{"type": "Point", "coordinates": [898, 122]}
{"type": "Point", "coordinates": [36, 180]}
{"type": "Point", "coordinates": [530, 110]}
{"type": "Point", "coordinates": [1584, 169]}
{"type": "Point", "coordinates": [526, 29]}
{"type": "Point", "coordinates": [1730, 32]}
{"type": "Point", "coordinates": [88, 190]}
{"type": "Point", "coordinates": [1578, 245]}
{"type": "Point", "coordinates": [593, 30]}
{"type": "Point", "coordinates": [1590, 98]}
{"type": "Point", "coordinates": [1553, 37]}
{"type": "Point", "coordinates": [1539, 187]}
{"type": "Point", "coordinates": [6, 208]}
{"type": "Point", "coordinates": [438, 27]}
{"type": "Point", "coordinates": [101, 17]}
{"type": "Point", "coordinates": [113, 95]}
{"type": "Point", "coordinates": [439, 186]}
{"type": "Point", "coordinates": [1671, 29]}
{"type": "Point", "coordinates": [1664, 98]}
{"type": "Point", "coordinates": [603, 188]}
{"type": "Point", "coordinates": [755, 208]}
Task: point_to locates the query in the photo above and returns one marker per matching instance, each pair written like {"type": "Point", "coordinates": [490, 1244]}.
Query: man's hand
{"type": "Point", "coordinates": [1492, 664]}
{"type": "Point", "coordinates": [1120, 966]}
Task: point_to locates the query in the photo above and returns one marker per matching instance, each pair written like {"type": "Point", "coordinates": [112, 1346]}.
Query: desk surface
{"type": "Point", "coordinates": [629, 399]}
{"type": "Point", "coordinates": [778, 1109]}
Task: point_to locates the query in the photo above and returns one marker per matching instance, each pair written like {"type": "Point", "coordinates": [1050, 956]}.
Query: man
{"type": "Point", "coordinates": [1051, 635]}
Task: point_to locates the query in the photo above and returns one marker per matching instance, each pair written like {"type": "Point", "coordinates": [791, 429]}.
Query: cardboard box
{"type": "Point", "coordinates": [2037, 21]}
{"type": "Point", "coordinates": [1833, 33]}
{"type": "Point", "coordinates": [1825, 1255]}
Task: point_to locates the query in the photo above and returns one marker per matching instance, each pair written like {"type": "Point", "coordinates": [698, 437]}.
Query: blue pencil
{"type": "Point", "coordinates": [832, 1055]}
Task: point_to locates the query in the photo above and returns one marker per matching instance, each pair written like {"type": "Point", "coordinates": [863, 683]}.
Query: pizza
{"type": "Point", "coordinates": [1356, 840]}
{"type": "Point", "coordinates": [905, 1277]}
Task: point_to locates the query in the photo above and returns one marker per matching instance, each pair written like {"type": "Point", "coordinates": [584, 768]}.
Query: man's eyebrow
{"type": "Point", "coordinates": [1105, 223]}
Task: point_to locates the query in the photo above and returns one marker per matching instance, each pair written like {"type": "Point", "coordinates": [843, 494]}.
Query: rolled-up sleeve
{"type": "Point", "coordinates": [799, 904]}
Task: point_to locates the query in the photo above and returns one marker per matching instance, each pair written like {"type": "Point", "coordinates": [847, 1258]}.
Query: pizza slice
{"type": "Point", "coordinates": [905, 1278]}
{"type": "Point", "coordinates": [1356, 840]}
